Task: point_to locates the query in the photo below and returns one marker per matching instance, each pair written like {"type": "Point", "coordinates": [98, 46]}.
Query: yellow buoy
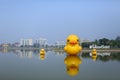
{"type": "Point", "coordinates": [94, 54]}
{"type": "Point", "coordinates": [42, 54]}
{"type": "Point", "coordinates": [42, 51]}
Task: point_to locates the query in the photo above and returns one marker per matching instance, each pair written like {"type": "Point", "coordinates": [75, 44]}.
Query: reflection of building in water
{"type": "Point", "coordinates": [5, 48]}
{"type": "Point", "coordinates": [26, 42]}
{"type": "Point", "coordinates": [104, 54]}
{"type": "Point", "coordinates": [72, 64]}
{"type": "Point", "coordinates": [59, 52]}
{"type": "Point", "coordinates": [25, 53]}
{"type": "Point", "coordinates": [94, 57]}
{"type": "Point", "coordinates": [41, 42]}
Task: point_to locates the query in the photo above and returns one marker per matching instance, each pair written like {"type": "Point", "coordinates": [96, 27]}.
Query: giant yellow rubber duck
{"type": "Point", "coordinates": [72, 45]}
{"type": "Point", "coordinates": [94, 54]}
{"type": "Point", "coordinates": [72, 64]}
{"type": "Point", "coordinates": [42, 54]}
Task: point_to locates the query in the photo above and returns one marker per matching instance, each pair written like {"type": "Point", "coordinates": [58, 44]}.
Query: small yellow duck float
{"type": "Point", "coordinates": [72, 45]}
{"type": "Point", "coordinates": [42, 51]}
{"type": "Point", "coordinates": [72, 64]}
{"type": "Point", "coordinates": [94, 54]}
{"type": "Point", "coordinates": [42, 54]}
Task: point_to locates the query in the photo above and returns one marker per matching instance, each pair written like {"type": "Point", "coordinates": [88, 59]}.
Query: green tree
{"type": "Point", "coordinates": [118, 41]}
{"type": "Point", "coordinates": [113, 44]}
{"type": "Point", "coordinates": [104, 41]}
{"type": "Point", "coordinates": [86, 44]}
{"type": "Point", "coordinates": [97, 42]}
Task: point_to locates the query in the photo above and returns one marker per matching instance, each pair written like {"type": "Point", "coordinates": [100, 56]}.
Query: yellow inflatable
{"type": "Point", "coordinates": [72, 45]}
{"type": "Point", "coordinates": [42, 54]}
{"type": "Point", "coordinates": [42, 51]}
{"type": "Point", "coordinates": [72, 64]}
{"type": "Point", "coordinates": [94, 54]}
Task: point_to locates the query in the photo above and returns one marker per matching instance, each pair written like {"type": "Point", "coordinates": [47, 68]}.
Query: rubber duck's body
{"type": "Point", "coordinates": [72, 45]}
{"type": "Point", "coordinates": [72, 64]}
{"type": "Point", "coordinates": [94, 54]}
{"type": "Point", "coordinates": [42, 54]}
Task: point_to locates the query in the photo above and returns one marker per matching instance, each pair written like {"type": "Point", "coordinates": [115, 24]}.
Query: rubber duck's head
{"type": "Point", "coordinates": [42, 50]}
{"type": "Point", "coordinates": [72, 39]}
{"type": "Point", "coordinates": [72, 70]}
{"type": "Point", "coordinates": [72, 64]}
{"type": "Point", "coordinates": [94, 52]}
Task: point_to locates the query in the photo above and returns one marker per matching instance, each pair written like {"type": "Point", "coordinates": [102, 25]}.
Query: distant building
{"type": "Point", "coordinates": [98, 47]}
{"type": "Point", "coordinates": [85, 41]}
{"type": "Point", "coordinates": [17, 44]}
{"type": "Point", "coordinates": [59, 43]}
{"type": "Point", "coordinates": [41, 42]}
{"type": "Point", "coordinates": [26, 42]}
{"type": "Point", "coordinates": [5, 45]}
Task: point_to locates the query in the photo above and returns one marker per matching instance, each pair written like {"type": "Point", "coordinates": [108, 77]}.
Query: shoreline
{"type": "Point", "coordinates": [60, 49]}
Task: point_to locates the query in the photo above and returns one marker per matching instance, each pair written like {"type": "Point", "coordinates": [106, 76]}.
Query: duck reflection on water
{"type": "Point", "coordinates": [72, 63]}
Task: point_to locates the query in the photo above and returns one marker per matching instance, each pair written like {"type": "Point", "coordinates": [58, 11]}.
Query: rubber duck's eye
{"type": "Point", "coordinates": [68, 69]}
{"type": "Point", "coordinates": [68, 40]}
{"type": "Point", "coordinates": [77, 40]}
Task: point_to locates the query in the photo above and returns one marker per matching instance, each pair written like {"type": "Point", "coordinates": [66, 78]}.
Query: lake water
{"type": "Point", "coordinates": [30, 65]}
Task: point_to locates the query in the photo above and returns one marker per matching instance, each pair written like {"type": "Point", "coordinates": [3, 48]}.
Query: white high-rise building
{"type": "Point", "coordinates": [26, 42]}
{"type": "Point", "coordinates": [41, 42]}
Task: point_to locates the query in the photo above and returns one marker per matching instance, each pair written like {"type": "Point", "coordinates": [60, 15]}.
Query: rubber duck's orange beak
{"type": "Point", "coordinates": [73, 42]}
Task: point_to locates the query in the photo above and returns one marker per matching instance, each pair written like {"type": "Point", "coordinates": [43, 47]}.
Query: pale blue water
{"type": "Point", "coordinates": [27, 65]}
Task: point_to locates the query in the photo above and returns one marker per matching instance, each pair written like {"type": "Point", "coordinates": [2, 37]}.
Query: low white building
{"type": "Point", "coordinates": [26, 42]}
{"type": "Point", "coordinates": [98, 47]}
{"type": "Point", "coordinates": [85, 40]}
{"type": "Point", "coordinates": [59, 43]}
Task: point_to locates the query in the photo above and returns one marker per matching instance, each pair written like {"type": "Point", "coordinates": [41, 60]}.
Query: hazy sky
{"type": "Point", "coordinates": [55, 20]}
